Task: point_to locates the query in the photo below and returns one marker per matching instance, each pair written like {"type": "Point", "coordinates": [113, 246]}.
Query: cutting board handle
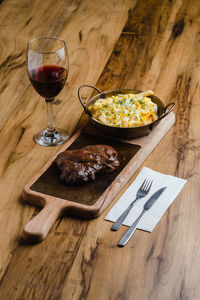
{"type": "Point", "coordinates": [37, 228]}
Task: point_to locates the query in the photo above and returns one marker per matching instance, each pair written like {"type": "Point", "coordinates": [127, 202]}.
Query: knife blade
{"type": "Point", "coordinates": [128, 234]}
{"type": "Point", "coordinates": [153, 198]}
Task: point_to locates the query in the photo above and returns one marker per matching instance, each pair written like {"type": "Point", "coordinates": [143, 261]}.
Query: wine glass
{"type": "Point", "coordinates": [47, 66]}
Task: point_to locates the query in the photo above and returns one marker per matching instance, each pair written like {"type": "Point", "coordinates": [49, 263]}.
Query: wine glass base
{"type": "Point", "coordinates": [44, 138]}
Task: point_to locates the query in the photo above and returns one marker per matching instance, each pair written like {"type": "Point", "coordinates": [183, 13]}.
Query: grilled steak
{"type": "Point", "coordinates": [82, 165]}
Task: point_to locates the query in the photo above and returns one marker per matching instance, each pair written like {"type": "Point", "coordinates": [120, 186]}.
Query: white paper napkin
{"type": "Point", "coordinates": [155, 213]}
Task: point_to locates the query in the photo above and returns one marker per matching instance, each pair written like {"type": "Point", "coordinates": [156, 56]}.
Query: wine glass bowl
{"type": "Point", "coordinates": [47, 66]}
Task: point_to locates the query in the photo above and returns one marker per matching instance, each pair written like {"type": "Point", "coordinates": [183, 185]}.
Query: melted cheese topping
{"type": "Point", "coordinates": [127, 110]}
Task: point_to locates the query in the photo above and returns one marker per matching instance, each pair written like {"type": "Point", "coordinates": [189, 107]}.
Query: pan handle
{"type": "Point", "coordinates": [79, 93]}
{"type": "Point", "coordinates": [167, 111]}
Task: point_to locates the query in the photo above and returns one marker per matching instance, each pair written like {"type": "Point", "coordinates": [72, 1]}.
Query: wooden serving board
{"type": "Point", "coordinates": [87, 200]}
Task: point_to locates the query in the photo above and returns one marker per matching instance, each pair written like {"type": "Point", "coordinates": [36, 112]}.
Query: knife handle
{"type": "Point", "coordinates": [123, 216]}
{"type": "Point", "coordinates": [128, 234]}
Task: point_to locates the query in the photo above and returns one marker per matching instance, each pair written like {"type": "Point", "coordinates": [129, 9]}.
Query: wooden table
{"type": "Point", "coordinates": [137, 44]}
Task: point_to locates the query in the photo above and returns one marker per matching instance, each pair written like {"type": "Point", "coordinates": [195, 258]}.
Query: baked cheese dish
{"type": "Point", "coordinates": [129, 110]}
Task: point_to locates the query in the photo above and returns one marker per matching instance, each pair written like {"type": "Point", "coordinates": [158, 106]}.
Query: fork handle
{"type": "Point", "coordinates": [128, 234]}
{"type": "Point", "coordinates": [123, 216]}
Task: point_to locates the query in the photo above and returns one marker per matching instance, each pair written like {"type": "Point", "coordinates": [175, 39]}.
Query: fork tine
{"type": "Point", "coordinates": [143, 184]}
{"type": "Point", "coordinates": [151, 181]}
{"type": "Point", "coordinates": [148, 186]}
{"type": "Point", "coordinates": [145, 187]}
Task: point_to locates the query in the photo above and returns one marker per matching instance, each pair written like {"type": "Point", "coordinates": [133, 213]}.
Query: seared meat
{"type": "Point", "coordinates": [83, 164]}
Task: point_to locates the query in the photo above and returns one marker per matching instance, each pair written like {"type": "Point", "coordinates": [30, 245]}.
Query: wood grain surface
{"type": "Point", "coordinates": [91, 199]}
{"type": "Point", "coordinates": [112, 44]}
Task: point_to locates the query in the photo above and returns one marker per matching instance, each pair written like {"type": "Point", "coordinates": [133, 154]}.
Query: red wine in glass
{"type": "Point", "coordinates": [48, 80]}
{"type": "Point", "coordinates": [47, 66]}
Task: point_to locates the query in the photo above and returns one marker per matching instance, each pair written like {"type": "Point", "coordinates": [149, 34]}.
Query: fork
{"type": "Point", "coordinates": [142, 192]}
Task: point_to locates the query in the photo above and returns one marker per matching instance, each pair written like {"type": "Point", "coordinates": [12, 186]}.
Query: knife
{"type": "Point", "coordinates": [128, 234]}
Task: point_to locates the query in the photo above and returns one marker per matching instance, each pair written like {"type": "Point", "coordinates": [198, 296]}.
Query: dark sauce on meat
{"type": "Point", "coordinates": [82, 165]}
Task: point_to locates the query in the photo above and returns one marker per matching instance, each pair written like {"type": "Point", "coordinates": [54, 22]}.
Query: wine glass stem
{"type": "Point", "coordinates": [51, 128]}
